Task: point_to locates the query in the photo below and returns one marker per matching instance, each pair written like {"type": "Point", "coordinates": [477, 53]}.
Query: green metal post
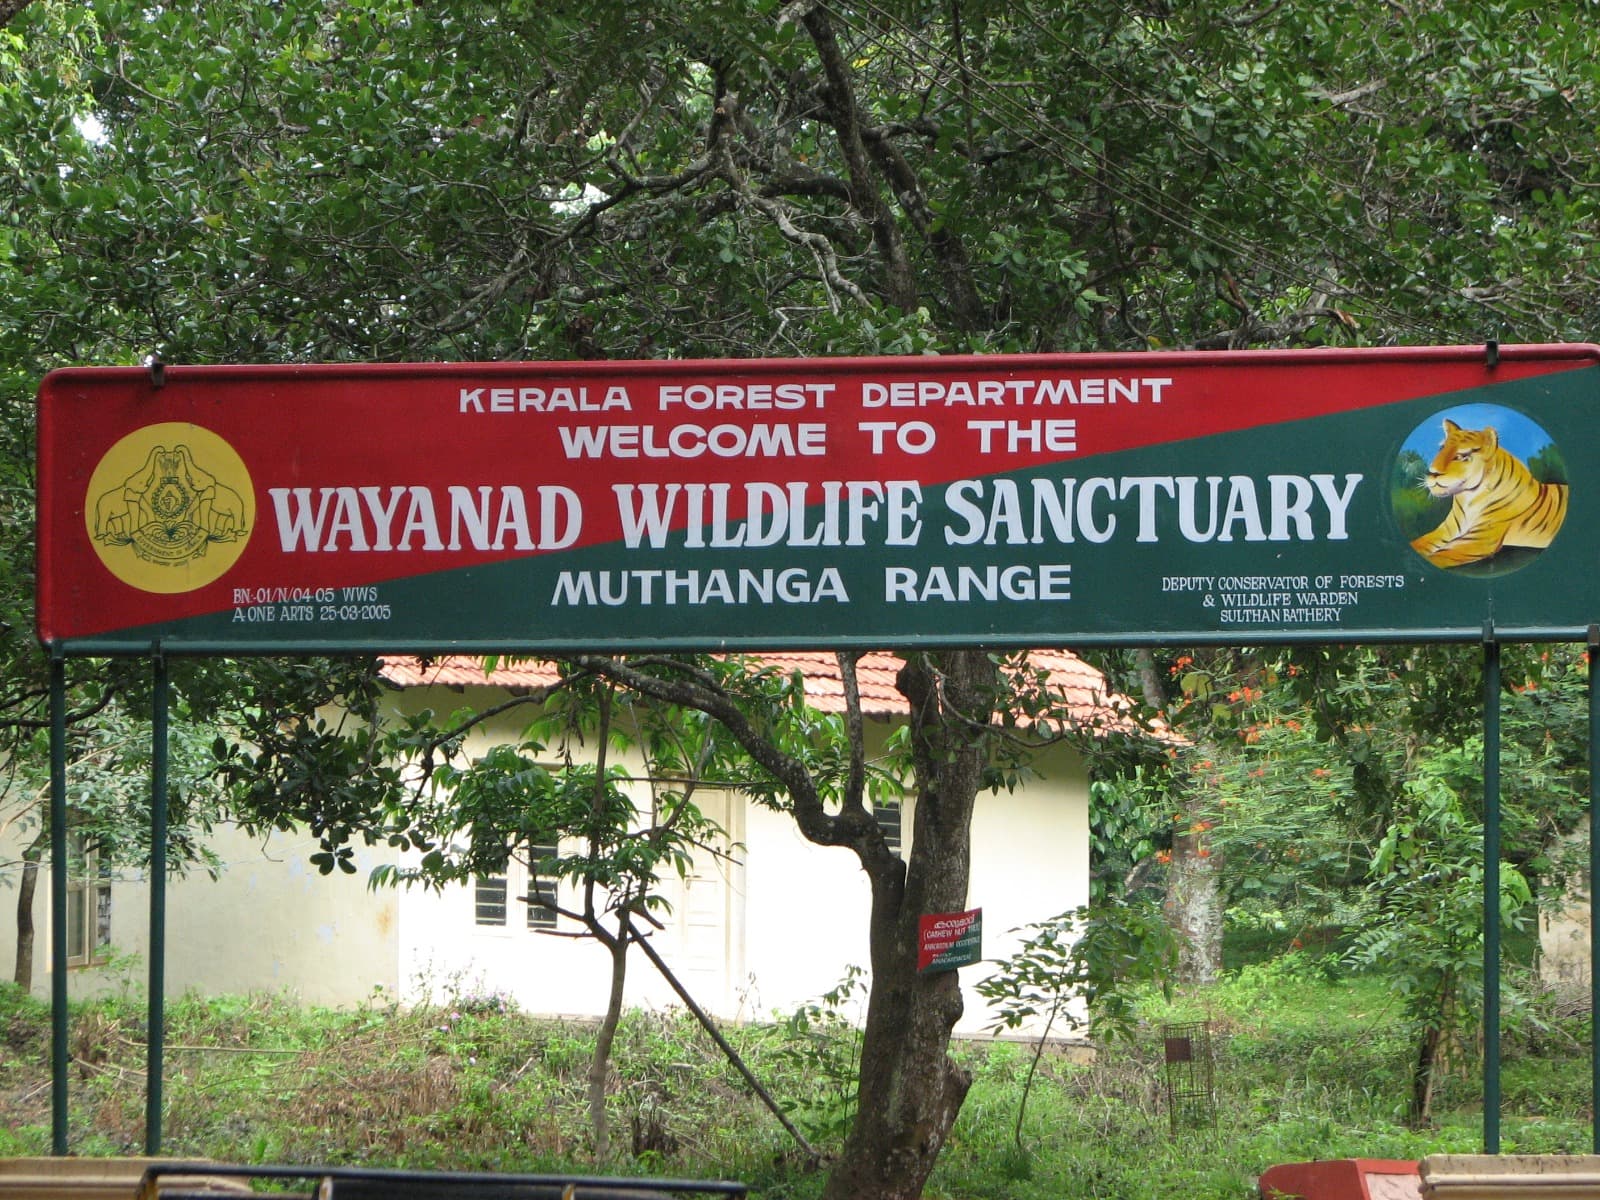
{"type": "Point", "coordinates": [58, 905]}
{"type": "Point", "coordinates": [1491, 895]}
{"type": "Point", "coordinates": [1594, 876]}
{"type": "Point", "coordinates": [155, 1043]}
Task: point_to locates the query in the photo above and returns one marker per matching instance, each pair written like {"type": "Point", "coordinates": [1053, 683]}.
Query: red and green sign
{"type": "Point", "coordinates": [1254, 497]}
{"type": "Point", "coordinates": [946, 941]}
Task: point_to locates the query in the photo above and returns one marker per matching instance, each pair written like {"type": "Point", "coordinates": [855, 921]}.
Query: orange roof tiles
{"type": "Point", "coordinates": [1090, 700]}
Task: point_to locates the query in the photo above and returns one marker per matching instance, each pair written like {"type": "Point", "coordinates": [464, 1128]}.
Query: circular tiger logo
{"type": "Point", "coordinates": [170, 508]}
{"type": "Point", "coordinates": [1481, 488]}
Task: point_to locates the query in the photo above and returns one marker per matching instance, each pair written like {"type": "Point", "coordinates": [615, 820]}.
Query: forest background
{"type": "Point", "coordinates": [366, 181]}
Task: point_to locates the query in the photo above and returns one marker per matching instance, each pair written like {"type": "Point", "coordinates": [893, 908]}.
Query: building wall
{"type": "Point", "coordinates": [268, 923]}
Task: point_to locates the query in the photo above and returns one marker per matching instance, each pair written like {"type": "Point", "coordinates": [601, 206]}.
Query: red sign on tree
{"type": "Point", "coordinates": [946, 941]}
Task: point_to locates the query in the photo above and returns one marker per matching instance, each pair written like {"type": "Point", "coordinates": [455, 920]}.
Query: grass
{"type": "Point", "coordinates": [1305, 1067]}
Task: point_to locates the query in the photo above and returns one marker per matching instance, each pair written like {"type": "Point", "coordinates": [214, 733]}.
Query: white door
{"type": "Point", "coordinates": [707, 912]}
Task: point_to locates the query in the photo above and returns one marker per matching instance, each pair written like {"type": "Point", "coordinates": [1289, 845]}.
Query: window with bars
{"type": "Point", "coordinates": [541, 892]}
{"type": "Point", "coordinates": [887, 814]}
{"type": "Point", "coordinates": [489, 900]}
{"type": "Point", "coordinates": [495, 895]}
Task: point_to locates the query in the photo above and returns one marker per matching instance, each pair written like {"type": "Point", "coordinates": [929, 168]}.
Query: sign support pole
{"type": "Point", "coordinates": [1491, 891]}
{"type": "Point", "coordinates": [1594, 875]}
{"type": "Point", "coordinates": [58, 904]}
{"type": "Point", "coordinates": [156, 1042]}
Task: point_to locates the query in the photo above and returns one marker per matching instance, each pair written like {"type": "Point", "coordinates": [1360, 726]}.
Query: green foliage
{"type": "Point", "coordinates": [1127, 828]}
{"type": "Point", "coordinates": [1338, 793]}
{"type": "Point", "coordinates": [1082, 970]}
{"type": "Point", "coordinates": [292, 765]}
{"type": "Point", "coordinates": [820, 1043]}
{"type": "Point", "coordinates": [1428, 878]}
{"type": "Point", "coordinates": [1079, 970]}
{"type": "Point", "coordinates": [1306, 1067]}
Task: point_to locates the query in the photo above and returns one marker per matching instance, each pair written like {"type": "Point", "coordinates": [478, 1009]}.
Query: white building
{"type": "Point", "coordinates": [762, 931]}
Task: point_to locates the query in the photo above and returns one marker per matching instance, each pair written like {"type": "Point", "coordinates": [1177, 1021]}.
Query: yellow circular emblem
{"type": "Point", "coordinates": [170, 508]}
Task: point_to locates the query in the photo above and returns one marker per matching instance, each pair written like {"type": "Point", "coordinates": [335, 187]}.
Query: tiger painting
{"type": "Point", "coordinates": [1495, 501]}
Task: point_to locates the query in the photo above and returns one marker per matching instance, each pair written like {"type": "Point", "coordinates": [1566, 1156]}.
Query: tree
{"type": "Point", "coordinates": [305, 181]}
{"type": "Point", "coordinates": [1342, 798]}
{"type": "Point", "coordinates": [469, 812]}
{"type": "Point", "coordinates": [109, 764]}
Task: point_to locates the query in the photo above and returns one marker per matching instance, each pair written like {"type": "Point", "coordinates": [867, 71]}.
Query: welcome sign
{"type": "Point", "coordinates": [1008, 500]}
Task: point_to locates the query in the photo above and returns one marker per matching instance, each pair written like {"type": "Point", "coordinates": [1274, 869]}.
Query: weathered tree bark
{"type": "Point", "coordinates": [1433, 1055]}
{"type": "Point", "coordinates": [1194, 907]}
{"type": "Point", "coordinates": [1150, 688]}
{"type": "Point", "coordinates": [617, 944]}
{"type": "Point", "coordinates": [1193, 903]}
{"type": "Point", "coordinates": [10, 9]}
{"type": "Point", "coordinates": [600, 1063]}
{"type": "Point", "coordinates": [22, 976]}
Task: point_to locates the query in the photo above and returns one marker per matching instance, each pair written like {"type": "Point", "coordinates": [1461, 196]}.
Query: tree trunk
{"type": "Point", "coordinates": [11, 9]}
{"type": "Point", "coordinates": [26, 888]}
{"type": "Point", "coordinates": [1433, 1047]}
{"type": "Point", "coordinates": [600, 1064]}
{"type": "Point", "coordinates": [910, 1091]}
{"type": "Point", "coordinates": [1194, 908]}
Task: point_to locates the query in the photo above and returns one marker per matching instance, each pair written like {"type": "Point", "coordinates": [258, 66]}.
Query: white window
{"type": "Point", "coordinates": [496, 897]}
{"type": "Point", "coordinates": [88, 903]}
{"type": "Point", "coordinates": [489, 900]}
{"type": "Point", "coordinates": [541, 891]}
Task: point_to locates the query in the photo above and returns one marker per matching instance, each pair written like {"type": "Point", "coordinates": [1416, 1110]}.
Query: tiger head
{"type": "Point", "coordinates": [1462, 460]}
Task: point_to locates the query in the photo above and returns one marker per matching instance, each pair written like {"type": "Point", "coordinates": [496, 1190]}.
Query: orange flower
{"type": "Point", "coordinates": [1163, 856]}
{"type": "Point", "coordinates": [1203, 852]}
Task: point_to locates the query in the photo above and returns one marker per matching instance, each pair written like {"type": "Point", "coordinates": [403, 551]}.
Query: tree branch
{"type": "Point", "coordinates": [820, 247]}
{"type": "Point", "coordinates": [10, 9]}
{"type": "Point", "coordinates": [809, 813]}
{"type": "Point", "coordinates": [899, 277]}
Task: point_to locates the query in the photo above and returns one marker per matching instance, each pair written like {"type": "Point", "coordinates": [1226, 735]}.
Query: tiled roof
{"type": "Point", "coordinates": [1091, 702]}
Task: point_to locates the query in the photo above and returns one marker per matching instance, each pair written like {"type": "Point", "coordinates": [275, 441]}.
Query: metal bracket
{"type": "Point", "coordinates": [158, 370]}
{"type": "Point", "coordinates": [1491, 354]}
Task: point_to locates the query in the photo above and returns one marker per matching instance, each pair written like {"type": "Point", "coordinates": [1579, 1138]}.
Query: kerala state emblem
{"type": "Point", "coordinates": [170, 508]}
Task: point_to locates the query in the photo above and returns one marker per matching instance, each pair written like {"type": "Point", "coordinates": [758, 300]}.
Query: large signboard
{"type": "Point", "coordinates": [1251, 497]}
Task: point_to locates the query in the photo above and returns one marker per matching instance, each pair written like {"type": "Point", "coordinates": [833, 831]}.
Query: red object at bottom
{"type": "Point", "coordinates": [1343, 1179]}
